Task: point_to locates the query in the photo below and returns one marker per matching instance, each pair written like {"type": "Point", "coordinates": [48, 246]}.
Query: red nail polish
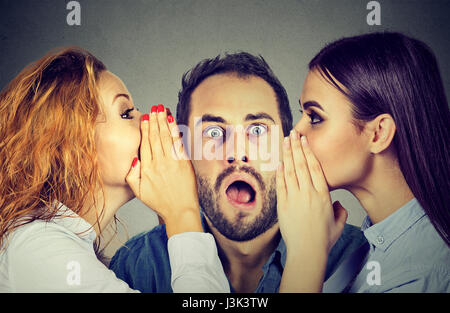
{"type": "Point", "coordinates": [135, 160]}
{"type": "Point", "coordinates": [145, 117]}
{"type": "Point", "coordinates": [160, 108]}
{"type": "Point", "coordinates": [170, 118]}
{"type": "Point", "coordinates": [154, 109]}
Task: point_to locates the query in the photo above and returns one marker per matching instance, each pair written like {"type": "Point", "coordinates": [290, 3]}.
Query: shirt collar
{"type": "Point", "coordinates": [281, 248]}
{"type": "Point", "coordinates": [74, 223]}
{"type": "Point", "coordinates": [384, 233]}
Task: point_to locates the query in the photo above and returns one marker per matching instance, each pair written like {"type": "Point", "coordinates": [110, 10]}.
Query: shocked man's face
{"type": "Point", "coordinates": [236, 137]}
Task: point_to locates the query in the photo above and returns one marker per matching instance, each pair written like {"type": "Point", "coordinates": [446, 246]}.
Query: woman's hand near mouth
{"type": "Point", "coordinates": [310, 224]}
{"type": "Point", "coordinates": [164, 178]}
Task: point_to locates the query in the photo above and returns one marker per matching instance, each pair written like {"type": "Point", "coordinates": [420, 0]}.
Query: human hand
{"type": "Point", "coordinates": [164, 179]}
{"type": "Point", "coordinates": [306, 215]}
{"type": "Point", "coordinates": [309, 223]}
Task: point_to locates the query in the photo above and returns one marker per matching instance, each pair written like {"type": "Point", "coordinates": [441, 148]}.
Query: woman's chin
{"type": "Point", "coordinates": [129, 194]}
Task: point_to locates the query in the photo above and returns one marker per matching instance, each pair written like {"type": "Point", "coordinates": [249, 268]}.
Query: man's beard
{"type": "Point", "coordinates": [237, 229]}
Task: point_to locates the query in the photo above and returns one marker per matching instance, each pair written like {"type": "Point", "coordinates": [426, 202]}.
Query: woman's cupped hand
{"type": "Point", "coordinates": [163, 178]}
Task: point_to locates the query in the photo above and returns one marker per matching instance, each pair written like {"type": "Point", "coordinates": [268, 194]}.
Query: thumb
{"type": "Point", "coordinates": [340, 214]}
{"type": "Point", "coordinates": [134, 177]}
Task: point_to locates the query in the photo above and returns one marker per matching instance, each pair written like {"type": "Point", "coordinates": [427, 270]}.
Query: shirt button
{"type": "Point", "coordinates": [380, 240]}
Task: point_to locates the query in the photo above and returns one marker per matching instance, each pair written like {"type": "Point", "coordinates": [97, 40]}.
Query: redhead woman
{"type": "Point", "coordinates": [70, 141]}
{"type": "Point", "coordinates": [375, 122]}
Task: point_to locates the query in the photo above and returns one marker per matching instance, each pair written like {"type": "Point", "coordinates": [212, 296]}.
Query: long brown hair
{"type": "Point", "coordinates": [47, 151]}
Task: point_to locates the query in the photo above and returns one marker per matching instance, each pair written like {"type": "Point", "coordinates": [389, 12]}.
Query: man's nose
{"type": "Point", "coordinates": [232, 160]}
{"type": "Point", "coordinates": [236, 148]}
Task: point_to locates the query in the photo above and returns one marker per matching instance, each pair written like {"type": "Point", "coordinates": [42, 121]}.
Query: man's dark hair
{"type": "Point", "coordinates": [243, 65]}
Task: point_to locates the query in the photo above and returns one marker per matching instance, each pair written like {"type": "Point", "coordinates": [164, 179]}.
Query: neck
{"type": "Point", "coordinates": [243, 261]}
{"type": "Point", "coordinates": [106, 206]}
{"type": "Point", "coordinates": [384, 190]}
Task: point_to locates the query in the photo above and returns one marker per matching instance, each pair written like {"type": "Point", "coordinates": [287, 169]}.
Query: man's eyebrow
{"type": "Point", "coordinates": [308, 104]}
{"type": "Point", "coordinates": [258, 116]}
{"type": "Point", "coordinates": [210, 118]}
{"type": "Point", "coordinates": [121, 95]}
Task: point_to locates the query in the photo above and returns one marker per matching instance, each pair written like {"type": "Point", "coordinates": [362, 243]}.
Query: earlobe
{"type": "Point", "coordinates": [383, 131]}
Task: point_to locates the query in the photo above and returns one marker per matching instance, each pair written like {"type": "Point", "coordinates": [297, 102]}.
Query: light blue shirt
{"type": "Point", "coordinates": [406, 254]}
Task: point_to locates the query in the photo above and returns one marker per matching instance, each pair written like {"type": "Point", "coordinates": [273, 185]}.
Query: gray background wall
{"type": "Point", "coordinates": [149, 44]}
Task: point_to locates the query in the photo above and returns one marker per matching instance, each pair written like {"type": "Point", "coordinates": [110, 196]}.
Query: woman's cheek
{"type": "Point", "coordinates": [116, 153]}
{"type": "Point", "coordinates": [332, 158]}
{"type": "Point", "coordinates": [129, 149]}
{"type": "Point", "coordinates": [342, 160]}
{"type": "Point", "coordinates": [322, 151]}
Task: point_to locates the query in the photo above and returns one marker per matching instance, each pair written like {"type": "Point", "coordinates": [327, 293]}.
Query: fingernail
{"type": "Point", "coordinates": [145, 117]}
{"type": "Point", "coordinates": [160, 108]}
{"type": "Point", "coordinates": [154, 109]}
{"type": "Point", "coordinates": [135, 160]}
{"type": "Point", "coordinates": [280, 166]}
{"type": "Point", "coordinates": [170, 118]}
{"type": "Point", "coordinates": [294, 134]}
{"type": "Point", "coordinates": [287, 142]}
{"type": "Point", "coordinates": [304, 140]}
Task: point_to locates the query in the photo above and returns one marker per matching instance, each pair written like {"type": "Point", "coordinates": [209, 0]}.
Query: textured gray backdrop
{"type": "Point", "coordinates": [150, 44]}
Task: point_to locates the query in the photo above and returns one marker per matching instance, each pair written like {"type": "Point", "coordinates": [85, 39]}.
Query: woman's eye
{"type": "Point", "coordinates": [126, 114]}
{"type": "Point", "coordinates": [213, 132]}
{"type": "Point", "coordinates": [315, 118]}
{"type": "Point", "coordinates": [257, 130]}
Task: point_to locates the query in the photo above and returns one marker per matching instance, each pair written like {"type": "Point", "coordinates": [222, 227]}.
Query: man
{"type": "Point", "coordinates": [236, 113]}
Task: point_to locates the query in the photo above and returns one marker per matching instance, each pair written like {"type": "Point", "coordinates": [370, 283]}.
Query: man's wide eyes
{"type": "Point", "coordinates": [257, 130]}
{"type": "Point", "coordinates": [254, 130]}
{"type": "Point", "coordinates": [213, 132]}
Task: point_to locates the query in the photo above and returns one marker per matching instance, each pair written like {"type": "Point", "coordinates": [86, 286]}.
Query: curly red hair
{"type": "Point", "coordinates": [47, 148]}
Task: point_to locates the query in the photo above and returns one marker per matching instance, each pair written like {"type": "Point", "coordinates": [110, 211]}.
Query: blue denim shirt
{"type": "Point", "coordinates": [144, 261]}
{"type": "Point", "coordinates": [407, 254]}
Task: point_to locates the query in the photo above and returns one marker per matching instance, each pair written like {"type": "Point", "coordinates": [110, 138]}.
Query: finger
{"type": "Point", "coordinates": [178, 148]}
{"type": "Point", "coordinates": [289, 171]}
{"type": "Point", "coordinates": [155, 140]}
{"type": "Point", "coordinates": [315, 169]}
{"type": "Point", "coordinates": [280, 186]}
{"type": "Point", "coordinates": [301, 167]}
{"type": "Point", "coordinates": [145, 149]}
{"type": "Point", "coordinates": [166, 137]}
{"type": "Point", "coordinates": [178, 143]}
{"type": "Point", "coordinates": [340, 214]}
{"type": "Point", "coordinates": [133, 177]}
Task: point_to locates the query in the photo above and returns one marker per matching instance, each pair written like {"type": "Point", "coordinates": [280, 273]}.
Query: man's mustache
{"type": "Point", "coordinates": [234, 169]}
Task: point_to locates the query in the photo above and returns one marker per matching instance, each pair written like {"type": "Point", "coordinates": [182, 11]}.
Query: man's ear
{"type": "Point", "coordinates": [382, 130]}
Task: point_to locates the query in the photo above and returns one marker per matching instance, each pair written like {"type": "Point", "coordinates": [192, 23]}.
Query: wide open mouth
{"type": "Point", "coordinates": [240, 192]}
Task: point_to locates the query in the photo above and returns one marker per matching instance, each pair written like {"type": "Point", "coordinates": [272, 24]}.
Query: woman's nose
{"type": "Point", "coordinates": [300, 127]}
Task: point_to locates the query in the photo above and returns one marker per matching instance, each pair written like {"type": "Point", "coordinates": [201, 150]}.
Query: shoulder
{"type": "Point", "coordinates": [42, 234]}
{"type": "Point", "coordinates": [143, 262]}
{"type": "Point", "coordinates": [420, 246]}
{"type": "Point", "coordinates": [416, 261]}
{"type": "Point", "coordinates": [418, 278]}
{"type": "Point", "coordinates": [41, 252]}
{"type": "Point", "coordinates": [422, 251]}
